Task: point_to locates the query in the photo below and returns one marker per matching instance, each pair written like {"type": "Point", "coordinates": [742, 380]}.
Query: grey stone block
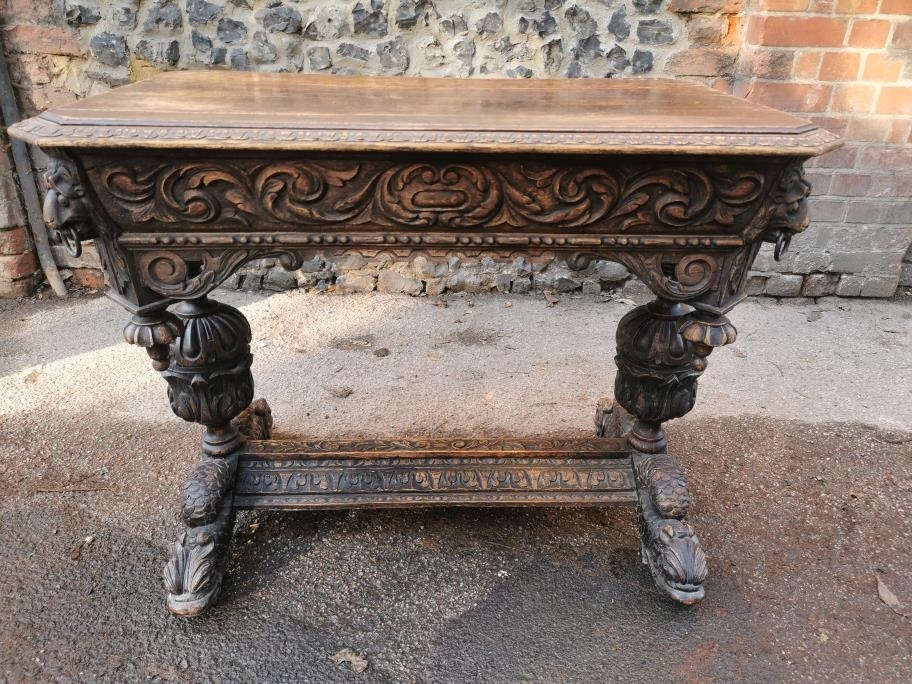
{"type": "Point", "coordinates": [489, 25]}
{"type": "Point", "coordinates": [328, 23]}
{"type": "Point", "coordinates": [353, 51]}
{"type": "Point", "coordinates": [905, 277]}
{"type": "Point", "coordinates": [262, 50]}
{"type": "Point", "coordinates": [811, 261]}
{"type": "Point", "coordinates": [637, 291]}
{"type": "Point", "coordinates": [394, 56]}
{"type": "Point", "coordinates": [784, 285]}
{"type": "Point", "coordinates": [581, 22]}
{"type": "Point", "coordinates": [611, 271]}
{"type": "Point", "coordinates": [618, 24]}
{"type": "Point", "coordinates": [230, 30]}
{"type": "Point", "coordinates": [369, 18]}
{"type": "Point", "coordinates": [861, 261]}
{"type": "Point", "coordinates": [879, 286]}
{"type": "Point", "coordinates": [81, 15]}
{"type": "Point", "coordinates": [521, 266]}
{"type": "Point", "coordinates": [200, 12]}
{"type": "Point", "coordinates": [820, 284]}
{"type": "Point", "coordinates": [109, 49]}
{"type": "Point", "coordinates": [453, 25]}
{"type": "Point", "coordinates": [557, 279]}
{"type": "Point", "coordinates": [467, 281]}
{"type": "Point", "coordinates": [827, 210]}
{"type": "Point", "coordinates": [88, 259]}
{"type": "Point", "coordinates": [655, 32]}
{"type": "Point", "coordinates": [347, 283]}
{"type": "Point", "coordinates": [280, 19]}
{"type": "Point", "coordinates": [849, 286]}
{"type": "Point", "coordinates": [434, 286]}
{"type": "Point", "coordinates": [390, 281]}
{"type": "Point", "coordinates": [522, 285]}
{"type": "Point", "coordinates": [642, 61]}
{"type": "Point", "coordinates": [756, 284]}
{"type": "Point", "coordinates": [319, 58]}
{"type": "Point", "coordinates": [279, 279]}
{"type": "Point", "coordinates": [164, 15]}
{"type": "Point", "coordinates": [591, 286]}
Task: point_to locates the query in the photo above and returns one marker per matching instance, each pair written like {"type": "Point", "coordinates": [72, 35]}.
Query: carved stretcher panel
{"type": "Point", "coordinates": [429, 472]}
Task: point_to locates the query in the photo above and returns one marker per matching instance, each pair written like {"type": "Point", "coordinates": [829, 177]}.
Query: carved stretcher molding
{"type": "Point", "coordinates": [179, 186]}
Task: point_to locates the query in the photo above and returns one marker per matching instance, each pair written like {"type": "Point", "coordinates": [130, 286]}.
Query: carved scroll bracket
{"type": "Point", "coordinates": [184, 276]}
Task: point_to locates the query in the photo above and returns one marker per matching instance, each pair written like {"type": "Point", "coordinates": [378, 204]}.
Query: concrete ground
{"type": "Point", "coordinates": [799, 453]}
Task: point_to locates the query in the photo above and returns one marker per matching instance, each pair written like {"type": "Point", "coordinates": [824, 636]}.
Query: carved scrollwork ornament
{"type": "Point", "coordinates": [452, 193]}
{"type": "Point", "coordinates": [65, 209]}
{"type": "Point", "coordinates": [193, 275]}
{"type": "Point", "coordinates": [193, 574]}
{"type": "Point", "coordinates": [708, 330]}
{"type": "Point", "coordinates": [672, 552]}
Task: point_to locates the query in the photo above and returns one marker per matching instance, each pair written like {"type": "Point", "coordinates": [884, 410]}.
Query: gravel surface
{"type": "Point", "coordinates": [800, 462]}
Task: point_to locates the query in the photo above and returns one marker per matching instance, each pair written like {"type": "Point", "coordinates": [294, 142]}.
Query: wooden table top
{"type": "Point", "coordinates": [238, 110]}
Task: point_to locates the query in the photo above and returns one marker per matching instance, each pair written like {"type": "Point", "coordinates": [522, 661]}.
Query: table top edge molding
{"type": "Point", "coordinates": [46, 132]}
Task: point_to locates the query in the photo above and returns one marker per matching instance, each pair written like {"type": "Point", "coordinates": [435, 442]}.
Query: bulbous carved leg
{"type": "Point", "coordinates": [662, 350]}
{"type": "Point", "coordinates": [202, 349]}
{"type": "Point", "coordinates": [209, 379]}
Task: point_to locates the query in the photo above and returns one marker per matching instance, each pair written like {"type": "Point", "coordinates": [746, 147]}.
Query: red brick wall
{"type": "Point", "coordinates": [18, 264]}
{"type": "Point", "coordinates": [845, 65]}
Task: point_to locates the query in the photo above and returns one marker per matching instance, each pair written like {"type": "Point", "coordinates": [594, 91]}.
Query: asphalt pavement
{"type": "Point", "coordinates": [799, 455]}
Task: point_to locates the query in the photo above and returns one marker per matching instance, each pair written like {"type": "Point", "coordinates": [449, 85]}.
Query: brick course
{"type": "Point", "coordinates": [861, 204]}
{"type": "Point", "coordinates": [842, 63]}
{"type": "Point", "coordinates": [18, 265]}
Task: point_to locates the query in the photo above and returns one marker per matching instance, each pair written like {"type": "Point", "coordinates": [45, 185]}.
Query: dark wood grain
{"type": "Point", "coordinates": [292, 111]}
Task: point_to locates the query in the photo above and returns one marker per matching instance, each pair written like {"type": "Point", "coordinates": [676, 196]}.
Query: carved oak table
{"type": "Point", "coordinates": [182, 178]}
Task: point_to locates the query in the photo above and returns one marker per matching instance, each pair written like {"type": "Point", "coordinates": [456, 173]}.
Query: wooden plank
{"type": "Point", "coordinates": [237, 110]}
{"type": "Point", "coordinates": [428, 447]}
{"type": "Point", "coordinates": [433, 472]}
{"type": "Point", "coordinates": [331, 502]}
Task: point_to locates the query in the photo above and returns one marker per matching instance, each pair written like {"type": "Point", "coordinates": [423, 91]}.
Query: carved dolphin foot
{"type": "Point", "coordinates": [255, 421]}
{"type": "Point", "coordinates": [670, 546]}
{"type": "Point", "coordinates": [611, 419]}
{"type": "Point", "coordinates": [193, 575]}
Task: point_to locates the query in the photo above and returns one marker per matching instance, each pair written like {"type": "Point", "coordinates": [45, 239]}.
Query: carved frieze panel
{"type": "Point", "coordinates": [687, 227]}
{"type": "Point", "coordinates": [456, 194]}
